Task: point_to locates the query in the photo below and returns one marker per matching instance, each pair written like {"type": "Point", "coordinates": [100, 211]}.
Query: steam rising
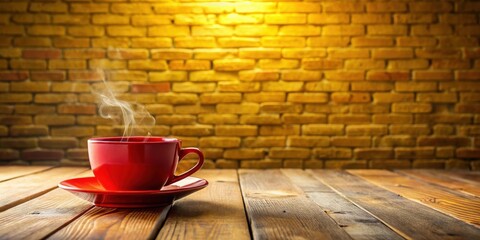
{"type": "Point", "coordinates": [135, 119]}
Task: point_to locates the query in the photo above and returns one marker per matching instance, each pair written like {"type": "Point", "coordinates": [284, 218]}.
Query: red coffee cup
{"type": "Point", "coordinates": [138, 163]}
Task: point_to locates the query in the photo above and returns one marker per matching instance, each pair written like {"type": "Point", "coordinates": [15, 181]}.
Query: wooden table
{"type": "Point", "coordinates": [258, 204]}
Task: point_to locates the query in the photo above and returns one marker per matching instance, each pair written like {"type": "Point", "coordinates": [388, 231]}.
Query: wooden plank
{"type": "Point", "coordinates": [358, 223]}
{"type": "Point", "coordinates": [465, 176]}
{"type": "Point", "coordinates": [410, 219]}
{"type": "Point", "coordinates": [114, 223]}
{"type": "Point", "coordinates": [437, 177]}
{"type": "Point", "coordinates": [277, 209]}
{"type": "Point", "coordinates": [22, 189]}
{"type": "Point", "coordinates": [215, 212]}
{"type": "Point", "coordinates": [9, 172]}
{"type": "Point", "coordinates": [458, 205]}
{"type": "Point", "coordinates": [41, 216]}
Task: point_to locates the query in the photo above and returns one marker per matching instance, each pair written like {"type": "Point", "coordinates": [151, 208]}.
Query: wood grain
{"type": "Point", "coordinates": [277, 209]}
{"type": "Point", "coordinates": [9, 172]}
{"type": "Point", "coordinates": [358, 223]}
{"type": "Point", "coordinates": [410, 219]}
{"type": "Point", "coordinates": [43, 215]}
{"type": "Point", "coordinates": [113, 223]}
{"type": "Point", "coordinates": [19, 190]}
{"type": "Point", "coordinates": [438, 177]}
{"type": "Point", "coordinates": [471, 177]}
{"type": "Point", "coordinates": [215, 212]}
{"type": "Point", "coordinates": [461, 206]}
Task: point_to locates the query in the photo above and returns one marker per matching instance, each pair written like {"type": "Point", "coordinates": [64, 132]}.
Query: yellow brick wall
{"type": "Point", "coordinates": [262, 84]}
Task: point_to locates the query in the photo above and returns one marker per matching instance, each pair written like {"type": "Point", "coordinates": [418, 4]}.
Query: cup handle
{"type": "Point", "coordinates": [181, 154]}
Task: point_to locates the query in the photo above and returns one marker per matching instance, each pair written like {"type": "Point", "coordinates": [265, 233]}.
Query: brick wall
{"type": "Point", "coordinates": [265, 84]}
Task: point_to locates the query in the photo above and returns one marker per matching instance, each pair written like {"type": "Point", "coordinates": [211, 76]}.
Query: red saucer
{"type": "Point", "coordinates": [89, 189]}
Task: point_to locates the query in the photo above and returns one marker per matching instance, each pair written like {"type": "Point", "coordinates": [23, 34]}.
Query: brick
{"type": "Point", "coordinates": [16, 98]}
{"type": "Point", "coordinates": [70, 19]}
{"type": "Point", "coordinates": [345, 75]}
{"type": "Point", "coordinates": [371, 86]}
{"type": "Point", "coordinates": [17, 30]}
{"type": "Point", "coordinates": [240, 131]}
{"type": "Point", "coordinates": [261, 164]}
{"type": "Point", "coordinates": [264, 97]}
{"type": "Point", "coordinates": [344, 6]}
{"type": "Point", "coordinates": [33, 109]}
{"type": "Point", "coordinates": [277, 141]}
{"type": "Point", "coordinates": [237, 19]}
{"type": "Point", "coordinates": [29, 87]}
{"type": "Point", "coordinates": [67, 64]}
{"type": "Point", "coordinates": [86, 75]}
{"type": "Point", "coordinates": [332, 153]}
{"type": "Point", "coordinates": [303, 118]}
{"type": "Point", "coordinates": [195, 130]}
{"type": "Point", "coordinates": [216, 30]}
{"type": "Point", "coordinates": [457, 18]}
{"type": "Point", "coordinates": [431, 30]}
{"type": "Point", "coordinates": [392, 53]}
{"type": "Point", "coordinates": [453, 42]}
{"type": "Point", "coordinates": [107, 64]}
{"type": "Point", "coordinates": [18, 143]}
{"type": "Point", "coordinates": [469, 97]}
{"type": "Point", "coordinates": [258, 76]}
{"type": "Point", "coordinates": [31, 42]}
{"type": "Point", "coordinates": [367, 130]}
{"type": "Point", "coordinates": [243, 153]}
{"type": "Point", "coordinates": [10, 52]}
{"type": "Point", "coordinates": [373, 153]}
{"type": "Point", "coordinates": [443, 130]}
{"type": "Point", "coordinates": [236, 42]}
{"type": "Point", "coordinates": [392, 118]}
{"type": "Point", "coordinates": [126, 31]}
{"type": "Point", "coordinates": [321, 64]}
{"type": "Point", "coordinates": [468, 153]}
{"type": "Point", "coordinates": [14, 75]}
{"type": "Point", "coordinates": [430, 7]}
{"type": "Point", "coordinates": [90, 31]}
{"type": "Point", "coordinates": [215, 98]}
{"type": "Point", "coordinates": [158, 109]}
{"type": "Point", "coordinates": [84, 53]}
{"type": "Point", "coordinates": [307, 98]}
{"type": "Point", "coordinates": [131, 8]}
{"type": "Point", "coordinates": [307, 141]}
{"type": "Point", "coordinates": [89, 7]}
{"type": "Point", "coordinates": [428, 164]}
{"type": "Point", "coordinates": [411, 108]}
{"type": "Point", "coordinates": [55, 98]}
{"type": "Point", "coordinates": [328, 41]}
{"type": "Point", "coordinates": [371, 18]}
{"type": "Point", "coordinates": [298, 30]}
{"type": "Point", "coordinates": [414, 153]}
{"type": "Point", "coordinates": [107, 19]}
{"type": "Point", "coordinates": [13, 7]}
{"type": "Point", "coordinates": [350, 97]}
{"type": "Point", "coordinates": [238, 87]}
{"type": "Point", "coordinates": [348, 53]}
{"type": "Point", "coordinates": [444, 118]}
{"type": "Point", "coordinates": [282, 86]}
{"type": "Point", "coordinates": [437, 53]}
{"type": "Point", "coordinates": [233, 64]}
{"type": "Point", "coordinates": [443, 141]}
{"type": "Point", "coordinates": [77, 109]}
{"type": "Point", "coordinates": [220, 142]}
{"type": "Point", "coordinates": [414, 18]}
{"type": "Point", "coordinates": [48, 75]}
{"type": "Point", "coordinates": [28, 64]}
{"type": "Point", "coordinates": [94, 120]}
{"type": "Point", "coordinates": [54, 120]}
{"type": "Point", "coordinates": [459, 86]}
{"type": "Point", "coordinates": [194, 19]}
{"type": "Point", "coordinates": [408, 64]}
{"type": "Point", "coordinates": [327, 86]}
{"type": "Point", "coordinates": [389, 164]}
{"type": "Point", "coordinates": [244, 108]}
{"type": "Point", "coordinates": [280, 108]}
{"type": "Point", "coordinates": [150, 20]}
{"type": "Point", "coordinates": [281, 130]}
{"type": "Point", "coordinates": [128, 54]}
{"type": "Point", "coordinates": [364, 64]}
{"type": "Point", "coordinates": [386, 7]}
{"type": "Point", "coordinates": [301, 75]}
{"type": "Point", "coordinates": [467, 108]}
{"type": "Point", "coordinates": [416, 41]}
{"type": "Point", "coordinates": [295, 153]}
{"type": "Point", "coordinates": [193, 87]}
{"type": "Point", "coordinates": [160, 42]}
{"type": "Point", "coordinates": [77, 154]}
{"type": "Point", "coordinates": [283, 41]}
{"type": "Point", "coordinates": [349, 119]}
{"type": "Point", "coordinates": [9, 154]}
{"type": "Point", "coordinates": [42, 154]}
{"type": "Point", "coordinates": [191, 109]}
{"type": "Point", "coordinates": [351, 141]}
{"type": "Point", "coordinates": [195, 42]}
{"type": "Point", "coordinates": [433, 75]}
{"type": "Point", "coordinates": [343, 30]}
{"type": "Point", "coordinates": [67, 42]}
{"type": "Point", "coordinates": [41, 53]}
{"type": "Point", "coordinates": [218, 118]}
{"type": "Point", "coordinates": [147, 64]}
{"type": "Point", "coordinates": [174, 31]}
{"type": "Point", "coordinates": [388, 75]}
{"type": "Point", "coordinates": [15, 120]}
{"type": "Point", "coordinates": [303, 53]}
{"type": "Point", "coordinates": [278, 64]}
{"type": "Point", "coordinates": [437, 97]}
{"type": "Point", "coordinates": [303, 7]}
{"type": "Point", "coordinates": [393, 97]}
{"type": "Point", "coordinates": [170, 54]}
{"type": "Point", "coordinates": [467, 75]}
{"type": "Point", "coordinates": [175, 120]}
{"type": "Point", "coordinates": [415, 86]}
{"type": "Point", "coordinates": [173, 76]}
{"type": "Point", "coordinates": [76, 131]}
{"type": "Point", "coordinates": [271, 119]}
{"type": "Point", "coordinates": [366, 108]}
{"type": "Point", "coordinates": [328, 18]}
{"type": "Point", "coordinates": [189, 65]}
{"type": "Point", "coordinates": [255, 7]}
{"type": "Point", "coordinates": [387, 30]}
{"type": "Point", "coordinates": [323, 129]}
{"type": "Point", "coordinates": [293, 18]}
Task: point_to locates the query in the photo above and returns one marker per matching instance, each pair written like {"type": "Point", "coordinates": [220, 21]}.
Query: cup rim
{"type": "Point", "coordinates": [118, 140]}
